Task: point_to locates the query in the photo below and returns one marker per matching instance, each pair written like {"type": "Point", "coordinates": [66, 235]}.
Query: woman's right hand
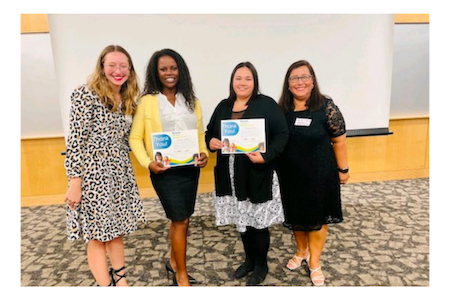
{"type": "Point", "coordinates": [73, 194]}
{"type": "Point", "coordinates": [156, 167]}
{"type": "Point", "coordinates": [215, 144]}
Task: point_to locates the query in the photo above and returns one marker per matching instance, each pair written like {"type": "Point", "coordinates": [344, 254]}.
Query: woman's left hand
{"type": "Point", "coordinates": [343, 177]}
{"type": "Point", "coordinates": [73, 194]}
{"type": "Point", "coordinates": [256, 157]}
{"type": "Point", "coordinates": [203, 160]}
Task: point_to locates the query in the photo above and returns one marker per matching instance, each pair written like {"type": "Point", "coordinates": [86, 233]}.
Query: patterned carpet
{"type": "Point", "coordinates": [383, 241]}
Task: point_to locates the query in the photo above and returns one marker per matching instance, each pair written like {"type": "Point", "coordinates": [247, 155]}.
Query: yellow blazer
{"type": "Point", "coordinates": [146, 121]}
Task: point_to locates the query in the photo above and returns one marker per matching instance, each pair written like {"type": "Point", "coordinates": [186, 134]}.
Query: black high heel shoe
{"type": "Point", "coordinates": [113, 274]}
{"type": "Point", "coordinates": [174, 278]}
{"type": "Point", "coordinates": [169, 269]}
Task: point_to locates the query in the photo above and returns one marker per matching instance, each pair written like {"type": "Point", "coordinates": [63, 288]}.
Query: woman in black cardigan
{"type": "Point", "coordinates": [247, 193]}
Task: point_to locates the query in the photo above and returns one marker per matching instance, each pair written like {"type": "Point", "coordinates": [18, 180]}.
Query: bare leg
{"type": "Point", "coordinates": [96, 255]}
{"type": "Point", "coordinates": [172, 252]}
{"type": "Point", "coordinates": [116, 252]}
{"type": "Point", "coordinates": [178, 237]}
{"type": "Point", "coordinates": [301, 238]}
{"type": "Point", "coordinates": [316, 243]}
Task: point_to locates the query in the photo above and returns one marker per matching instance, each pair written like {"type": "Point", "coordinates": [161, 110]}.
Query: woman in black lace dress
{"type": "Point", "coordinates": [313, 165]}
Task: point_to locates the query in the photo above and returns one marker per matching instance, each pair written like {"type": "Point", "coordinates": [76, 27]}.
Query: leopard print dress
{"type": "Point", "coordinates": [98, 152]}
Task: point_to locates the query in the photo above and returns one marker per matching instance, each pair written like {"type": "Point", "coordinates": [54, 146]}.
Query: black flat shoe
{"type": "Point", "coordinates": [169, 269]}
{"type": "Point", "coordinates": [243, 270]}
{"type": "Point", "coordinates": [257, 277]}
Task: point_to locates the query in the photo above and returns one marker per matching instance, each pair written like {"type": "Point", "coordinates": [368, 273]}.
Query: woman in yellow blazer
{"type": "Point", "coordinates": [169, 104]}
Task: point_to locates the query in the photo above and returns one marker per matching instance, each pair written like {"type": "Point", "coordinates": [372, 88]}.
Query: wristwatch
{"type": "Point", "coordinates": [343, 170]}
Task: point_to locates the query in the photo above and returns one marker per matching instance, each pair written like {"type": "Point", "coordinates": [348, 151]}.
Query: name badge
{"type": "Point", "coordinates": [302, 122]}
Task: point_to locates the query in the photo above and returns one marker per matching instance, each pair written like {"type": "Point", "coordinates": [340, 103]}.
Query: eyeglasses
{"type": "Point", "coordinates": [114, 67]}
{"type": "Point", "coordinates": [304, 78]}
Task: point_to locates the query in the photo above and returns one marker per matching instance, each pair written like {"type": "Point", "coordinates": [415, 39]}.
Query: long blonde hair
{"type": "Point", "coordinates": [129, 90]}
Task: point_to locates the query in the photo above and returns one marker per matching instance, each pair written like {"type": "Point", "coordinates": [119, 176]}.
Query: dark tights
{"type": "Point", "coordinates": [256, 246]}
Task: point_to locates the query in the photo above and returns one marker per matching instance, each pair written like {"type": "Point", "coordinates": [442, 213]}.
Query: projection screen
{"type": "Point", "coordinates": [352, 54]}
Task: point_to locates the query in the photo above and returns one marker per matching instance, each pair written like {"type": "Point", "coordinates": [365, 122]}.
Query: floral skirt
{"type": "Point", "coordinates": [244, 213]}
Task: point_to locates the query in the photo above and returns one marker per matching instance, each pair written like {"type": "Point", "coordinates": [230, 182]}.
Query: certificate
{"type": "Point", "coordinates": [243, 136]}
{"type": "Point", "coordinates": [176, 148]}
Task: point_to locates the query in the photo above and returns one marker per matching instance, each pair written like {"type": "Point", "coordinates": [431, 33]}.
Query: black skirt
{"type": "Point", "coordinates": [177, 191]}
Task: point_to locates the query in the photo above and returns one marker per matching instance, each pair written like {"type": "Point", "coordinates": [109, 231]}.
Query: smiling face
{"type": "Point", "coordinates": [301, 90]}
{"type": "Point", "coordinates": [116, 68]}
{"type": "Point", "coordinates": [168, 72]}
{"type": "Point", "coordinates": [243, 83]}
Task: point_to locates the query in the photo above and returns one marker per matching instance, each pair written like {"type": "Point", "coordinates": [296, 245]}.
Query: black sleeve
{"type": "Point", "coordinates": [213, 128]}
{"type": "Point", "coordinates": [278, 132]}
{"type": "Point", "coordinates": [335, 120]}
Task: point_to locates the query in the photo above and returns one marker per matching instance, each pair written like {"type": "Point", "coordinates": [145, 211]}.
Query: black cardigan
{"type": "Point", "coordinates": [251, 181]}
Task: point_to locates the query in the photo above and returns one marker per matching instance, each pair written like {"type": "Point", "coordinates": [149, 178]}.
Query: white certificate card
{"type": "Point", "coordinates": [176, 148]}
{"type": "Point", "coordinates": [243, 136]}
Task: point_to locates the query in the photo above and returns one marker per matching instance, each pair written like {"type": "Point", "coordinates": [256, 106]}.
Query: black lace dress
{"type": "Point", "coordinates": [309, 178]}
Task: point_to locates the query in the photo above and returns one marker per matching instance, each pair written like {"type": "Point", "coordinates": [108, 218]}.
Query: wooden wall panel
{"type": "Point", "coordinates": [34, 23]}
{"type": "Point", "coordinates": [405, 149]}
{"type": "Point", "coordinates": [42, 167]}
{"type": "Point", "coordinates": [409, 153]}
{"type": "Point", "coordinates": [404, 154]}
{"type": "Point", "coordinates": [427, 156]}
{"type": "Point", "coordinates": [411, 18]}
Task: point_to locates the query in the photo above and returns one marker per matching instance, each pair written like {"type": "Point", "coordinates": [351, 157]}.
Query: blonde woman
{"type": "Point", "coordinates": [103, 198]}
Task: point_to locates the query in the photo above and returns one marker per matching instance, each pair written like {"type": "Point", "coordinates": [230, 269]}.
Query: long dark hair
{"type": "Point", "coordinates": [153, 85]}
{"type": "Point", "coordinates": [315, 101]}
{"type": "Point", "coordinates": [232, 97]}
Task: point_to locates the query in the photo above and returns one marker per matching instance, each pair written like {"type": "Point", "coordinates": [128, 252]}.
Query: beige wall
{"type": "Point", "coordinates": [404, 154]}
{"type": "Point", "coordinates": [32, 23]}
